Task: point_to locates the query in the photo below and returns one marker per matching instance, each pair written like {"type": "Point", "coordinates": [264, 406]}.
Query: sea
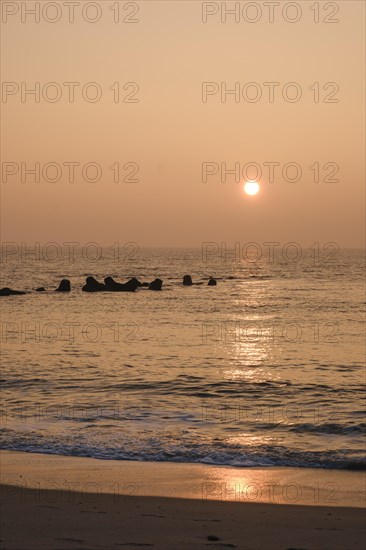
{"type": "Point", "coordinates": [267, 368]}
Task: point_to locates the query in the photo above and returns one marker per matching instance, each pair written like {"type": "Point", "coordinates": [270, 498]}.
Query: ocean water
{"type": "Point", "coordinates": [266, 368]}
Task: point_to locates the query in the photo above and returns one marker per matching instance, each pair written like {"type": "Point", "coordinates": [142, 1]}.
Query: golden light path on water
{"type": "Point", "coordinates": [252, 356]}
{"type": "Point", "coordinates": [248, 342]}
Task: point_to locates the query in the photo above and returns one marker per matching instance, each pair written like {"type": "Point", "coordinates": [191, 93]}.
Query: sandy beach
{"type": "Point", "coordinates": [55, 502]}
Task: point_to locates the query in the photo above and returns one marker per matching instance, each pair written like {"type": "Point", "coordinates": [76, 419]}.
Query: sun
{"type": "Point", "coordinates": [251, 187]}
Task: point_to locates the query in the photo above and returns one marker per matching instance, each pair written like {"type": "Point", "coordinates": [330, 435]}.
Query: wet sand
{"type": "Point", "coordinates": [54, 502]}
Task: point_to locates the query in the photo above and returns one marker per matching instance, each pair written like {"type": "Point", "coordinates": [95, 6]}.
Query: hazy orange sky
{"type": "Point", "coordinates": [170, 132]}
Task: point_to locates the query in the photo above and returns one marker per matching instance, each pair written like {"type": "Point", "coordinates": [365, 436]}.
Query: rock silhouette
{"type": "Point", "coordinates": [92, 285]}
{"type": "Point", "coordinates": [187, 280]}
{"type": "Point", "coordinates": [156, 284]}
{"type": "Point", "coordinates": [113, 286]}
{"type": "Point", "coordinates": [64, 286]}
{"type": "Point", "coordinates": [10, 292]}
{"type": "Point", "coordinates": [110, 285]}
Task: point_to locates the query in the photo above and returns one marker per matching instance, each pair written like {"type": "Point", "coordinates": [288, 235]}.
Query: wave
{"type": "Point", "coordinates": [218, 454]}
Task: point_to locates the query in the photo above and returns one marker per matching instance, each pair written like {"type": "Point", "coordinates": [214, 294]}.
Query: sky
{"type": "Point", "coordinates": [173, 134]}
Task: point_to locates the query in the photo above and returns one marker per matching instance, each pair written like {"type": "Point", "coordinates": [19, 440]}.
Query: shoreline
{"type": "Point", "coordinates": [270, 485]}
{"type": "Point", "coordinates": [52, 502]}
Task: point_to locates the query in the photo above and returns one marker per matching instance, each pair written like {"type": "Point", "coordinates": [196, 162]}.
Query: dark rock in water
{"type": "Point", "coordinates": [132, 285]}
{"type": "Point", "coordinates": [9, 292]}
{"type": "Point", "coordinates": [187, 280]}
{"type": "Point", "coordinates": [64, 286]}
{"type": "Point", "coordinates": [134, 281]}
{"type": "Point", "coordinates": [113, 286]}
{"type": "Point", "coordinates": [92, 285]}
{"type": "Point", "coordinates": [41, 289]}
{"type": "Point", "coordinates": [156, 285]}
{"type": "Point", "coordinates": [212, 282]}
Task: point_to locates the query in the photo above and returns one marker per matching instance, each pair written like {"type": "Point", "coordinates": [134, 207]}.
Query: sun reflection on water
{"type": "Point", "coordinates": [247, 341]}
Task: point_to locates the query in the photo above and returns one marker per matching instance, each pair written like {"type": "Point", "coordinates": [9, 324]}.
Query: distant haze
{"type": "Point", "coordinates": [164, 139]}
